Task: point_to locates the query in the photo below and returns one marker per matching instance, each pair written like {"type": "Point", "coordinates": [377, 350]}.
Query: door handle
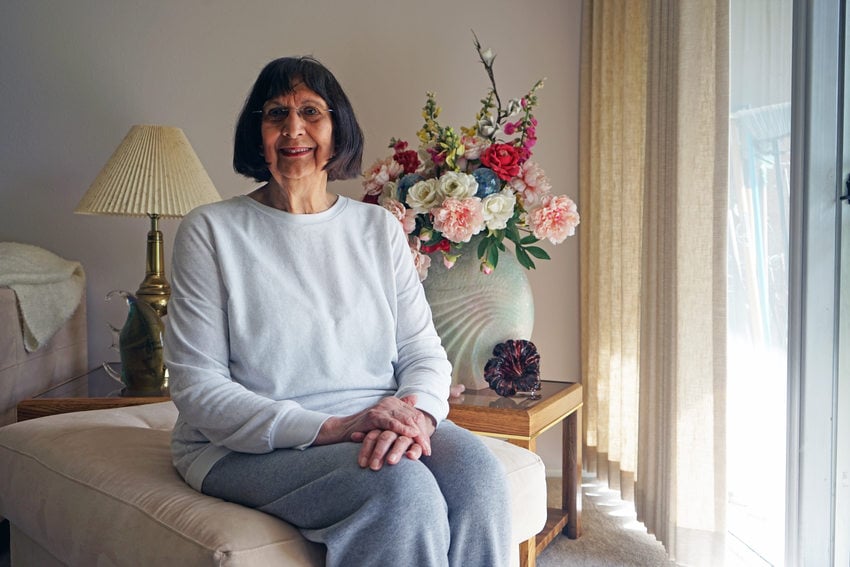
{"type": "Point", "coordinates": [846, 196]}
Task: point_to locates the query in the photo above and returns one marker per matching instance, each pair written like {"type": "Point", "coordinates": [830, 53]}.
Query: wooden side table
{"type": "Point", "coordinates": [93, 390]}
{"type": "Point", "coordinates": [521, 420]}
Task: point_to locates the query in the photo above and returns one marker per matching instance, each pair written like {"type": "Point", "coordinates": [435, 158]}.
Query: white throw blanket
{"type": "Point", "coordinates": [48, 288]}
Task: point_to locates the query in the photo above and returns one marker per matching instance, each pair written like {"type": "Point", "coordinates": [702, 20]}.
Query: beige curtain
{"type": "Point", "coordinates": [613, 123]}
{"type": "Point", "coordinates": [653, 178]}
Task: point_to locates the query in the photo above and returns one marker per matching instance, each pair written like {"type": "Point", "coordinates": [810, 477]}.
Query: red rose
{"type": "Point", "coordinates": [409, 160]}
{"type": "Point", "coordinates": [503, 159]}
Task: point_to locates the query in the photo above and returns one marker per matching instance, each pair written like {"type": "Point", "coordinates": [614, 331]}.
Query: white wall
{"type": "Point", "coordinates": [74, 76]}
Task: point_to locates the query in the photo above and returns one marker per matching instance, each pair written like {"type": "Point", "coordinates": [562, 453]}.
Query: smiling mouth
{"type": "Point", "coordinates": [295, 152]}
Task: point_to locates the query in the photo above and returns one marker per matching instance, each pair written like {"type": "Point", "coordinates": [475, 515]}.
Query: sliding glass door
{"type": "Point", "coordinates": [817, 513]}
{"type": "Point", "coordinates": [757, 280]}
{"type": "Point", "coordinates": [842, 457]}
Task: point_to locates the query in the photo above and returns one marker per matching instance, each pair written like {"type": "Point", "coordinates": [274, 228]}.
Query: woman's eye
{"type": "Point", "coordinates": [276, 114]}
{"type": "Point", "coordinates": [310, 111]}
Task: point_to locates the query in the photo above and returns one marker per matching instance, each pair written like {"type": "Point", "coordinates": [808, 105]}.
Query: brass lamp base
{"type": "Point", "coordinates": [143, 370]}
{"type": "Point", "coordinates": [155, 289]}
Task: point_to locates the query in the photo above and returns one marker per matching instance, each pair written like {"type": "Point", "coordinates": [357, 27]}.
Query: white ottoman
{"type": "Point", "coordinates": [98, 488]}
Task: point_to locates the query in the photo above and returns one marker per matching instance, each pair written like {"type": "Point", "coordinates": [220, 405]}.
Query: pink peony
{"type": "Point", "coordinates": [421, 261]}
{"type": "Point", "coordinates": [407, 217]}
{"type": "Point", "coordinates": [533, 174]}
{"type": "Point", "coordinates": [556, 218]}
{"type": "Point", "coordinates": [473, 146]}
{"type": "Point", "coordinates": [409, 221]}
{"type": "Point", "coordinates": [532, 184]}
{"type": "Point", "coordinates": [381, 172]}
{"type": "Point", "coordinates": [459, 219]}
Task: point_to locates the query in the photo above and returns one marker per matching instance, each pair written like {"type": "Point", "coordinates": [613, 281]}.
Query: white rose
{"type": "Point", "coordinates": [498, 209]}
{"type": "Point", "coordinates": [458, 185]}
{"type": "Point", "coordinates": [424, 195]}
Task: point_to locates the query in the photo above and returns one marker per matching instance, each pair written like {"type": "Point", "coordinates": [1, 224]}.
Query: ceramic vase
{"type": "Point", "coordinates": [143, 370]}
{"type": "Point", "coordinates": [473, 311]}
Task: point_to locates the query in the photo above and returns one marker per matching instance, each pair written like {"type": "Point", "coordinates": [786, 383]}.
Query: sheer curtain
{"type": "Point", "coordinates": [653, 187]}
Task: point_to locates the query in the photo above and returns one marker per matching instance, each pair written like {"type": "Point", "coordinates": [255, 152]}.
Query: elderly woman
{"type": "Point", "coordinates": [310, 381]}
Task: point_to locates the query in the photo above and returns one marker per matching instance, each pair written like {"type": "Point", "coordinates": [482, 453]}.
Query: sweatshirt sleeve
{"type": "Point", "coordinates": [422, 367]}
{"type": "Point", "coordinates": [197, 355]}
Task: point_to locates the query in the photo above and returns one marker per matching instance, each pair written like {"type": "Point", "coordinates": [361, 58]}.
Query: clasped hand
{"type": "Point", "coordinates": [391, 429]}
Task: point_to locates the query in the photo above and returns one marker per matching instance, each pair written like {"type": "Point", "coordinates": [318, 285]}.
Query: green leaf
{"type": "Point", "coordinates": [483, 246]}
{"type": "Point", "coordinates": [538, 252]}
{"type": "Point", "coordinates": [493, 256]}
{"type": "Point", "coordinates": [529, 239]}
{"type": "Point", "coordinates": [512, 232]}
{"type": "Point", "coordinates": [524, 259]}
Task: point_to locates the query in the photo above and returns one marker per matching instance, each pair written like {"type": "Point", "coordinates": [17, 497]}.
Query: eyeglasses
{"type": "Point", "coordinates": [278, 114]}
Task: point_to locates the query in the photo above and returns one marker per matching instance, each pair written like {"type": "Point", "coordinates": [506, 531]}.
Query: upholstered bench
{"type": "Point", "coordinates": [98, 488]}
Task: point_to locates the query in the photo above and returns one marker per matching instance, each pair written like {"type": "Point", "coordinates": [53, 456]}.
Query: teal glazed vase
{"type": "Point", "coordinates": [473, 311]}
{"type": "Point", "coordinates": [140, 345]}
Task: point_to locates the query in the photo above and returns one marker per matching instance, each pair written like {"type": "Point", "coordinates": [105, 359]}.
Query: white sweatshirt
{"type": "Point", "coordinates": [278, 321]}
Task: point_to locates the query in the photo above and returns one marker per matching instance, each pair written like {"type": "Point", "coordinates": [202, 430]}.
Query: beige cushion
{"type": "Point", "coordinates": [98, 488]}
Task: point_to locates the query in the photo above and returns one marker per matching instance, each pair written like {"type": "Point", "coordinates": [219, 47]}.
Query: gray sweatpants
{"type": "Point", "coordinates": [451, 508]}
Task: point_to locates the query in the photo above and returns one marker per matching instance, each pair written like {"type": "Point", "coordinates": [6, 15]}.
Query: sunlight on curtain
{"type": "Point", "coordinates": [653, 187]}
{"type": "Point", "coordinates": [687, 270]}
{"type": "Point", "coordinates": [612, 171]}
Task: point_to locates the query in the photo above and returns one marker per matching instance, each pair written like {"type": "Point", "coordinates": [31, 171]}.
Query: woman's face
{"type": "Point", "coordinates": [297, 133]}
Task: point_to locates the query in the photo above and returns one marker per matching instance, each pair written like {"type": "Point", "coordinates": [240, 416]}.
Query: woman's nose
{"type": "Point", "coordinates": [292, 125]}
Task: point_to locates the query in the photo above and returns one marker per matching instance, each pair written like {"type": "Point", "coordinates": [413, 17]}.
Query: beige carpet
{"type": "Point", "coordinates": [611, 536]}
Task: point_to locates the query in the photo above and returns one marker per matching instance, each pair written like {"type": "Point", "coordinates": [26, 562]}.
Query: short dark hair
{"type": "Point", "coordinates": [277, 78]}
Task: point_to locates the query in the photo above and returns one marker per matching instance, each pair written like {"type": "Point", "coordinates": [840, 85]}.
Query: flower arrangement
{"type": "Point", "coordinates": [483, 179]}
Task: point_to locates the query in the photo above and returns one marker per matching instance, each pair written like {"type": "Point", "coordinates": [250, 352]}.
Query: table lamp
{"type": "Point", "coordinates": [155, 173]}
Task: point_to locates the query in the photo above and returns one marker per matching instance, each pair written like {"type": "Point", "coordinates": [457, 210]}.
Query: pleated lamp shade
{"type": "Point", "coordinates": [154, 171]}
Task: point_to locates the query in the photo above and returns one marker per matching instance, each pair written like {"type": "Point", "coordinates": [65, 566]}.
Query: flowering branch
{"type": "Point", "coordinates": [487, 57]}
